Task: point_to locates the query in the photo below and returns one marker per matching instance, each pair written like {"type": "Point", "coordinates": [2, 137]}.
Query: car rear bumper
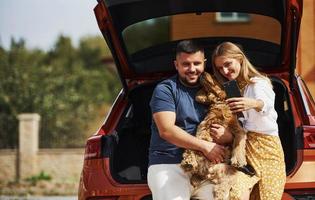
{"type": "Point", "coordinates": [96, 182]}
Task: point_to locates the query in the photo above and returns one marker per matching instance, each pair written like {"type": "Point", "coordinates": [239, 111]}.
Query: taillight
{"type": "Point", "coordinates": [309, 138]}
{"type": "Point", "coordinates": [93, 147]}
{"type": "Point", "coordinates": [310, 141]}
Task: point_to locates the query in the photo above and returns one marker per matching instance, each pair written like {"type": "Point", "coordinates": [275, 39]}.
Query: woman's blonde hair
{"type": "Point", "coordinates": [231, 50]}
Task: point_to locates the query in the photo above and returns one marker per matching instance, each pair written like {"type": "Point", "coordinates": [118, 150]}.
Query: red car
{"type": "Point", "coordinates": [142, 36]}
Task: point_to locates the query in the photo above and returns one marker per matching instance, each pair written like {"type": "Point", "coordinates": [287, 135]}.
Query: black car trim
{"type": "Point", "coordinates": [293, 48]}
{"type": "Point", "coordinates": [108, 40]}
{"type": "Point", "coordinates": [108, 143]}
{"type": "Point", "coordinates": [287, 130]}
{"type": "Point", "coordinates": [299, 138]}
{"type": "Point", "coordinates": [263, 54]}
{"type": "Point", "coordinates": [139, 10]}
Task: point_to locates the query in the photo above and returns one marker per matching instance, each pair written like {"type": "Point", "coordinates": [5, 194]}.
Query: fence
{"type": "Point", "coordinates": [28, 160]}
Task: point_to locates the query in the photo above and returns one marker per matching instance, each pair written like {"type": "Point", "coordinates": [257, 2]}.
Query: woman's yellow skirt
{"type": "Point", "coordinates": [265, 154]}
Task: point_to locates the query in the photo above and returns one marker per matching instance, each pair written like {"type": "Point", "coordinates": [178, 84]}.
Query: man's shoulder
{"type": "Point", "coordinates": [170, 82]}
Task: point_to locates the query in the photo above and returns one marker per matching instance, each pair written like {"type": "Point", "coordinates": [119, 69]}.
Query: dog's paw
{"type": "Point", "coordinates": [238, 161]}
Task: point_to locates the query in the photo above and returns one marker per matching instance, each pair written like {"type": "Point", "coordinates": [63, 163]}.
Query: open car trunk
{"type": "Point", "coordinates": [129, 159]}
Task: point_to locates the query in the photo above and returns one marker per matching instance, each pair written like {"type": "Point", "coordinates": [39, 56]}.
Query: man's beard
{"type": "Point", "coordinates": [187, 83]}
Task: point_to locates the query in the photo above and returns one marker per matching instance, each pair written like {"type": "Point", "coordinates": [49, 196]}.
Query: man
{"type": "Point", "coordinates": [176, 116]}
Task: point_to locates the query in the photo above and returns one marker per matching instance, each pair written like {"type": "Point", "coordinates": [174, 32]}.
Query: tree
{"type": "Point", "coordinates": [66, 86]}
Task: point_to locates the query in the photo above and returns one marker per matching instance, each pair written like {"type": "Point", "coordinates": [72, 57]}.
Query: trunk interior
{"type": "Point", "coordinates": [129, 156]}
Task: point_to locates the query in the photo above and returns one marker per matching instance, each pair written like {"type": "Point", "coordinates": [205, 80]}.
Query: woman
{"type": "Point", "coordinates": [263, 147]}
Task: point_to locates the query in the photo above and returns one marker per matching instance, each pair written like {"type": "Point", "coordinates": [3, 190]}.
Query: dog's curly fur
{"type": "Point", "coordinates": [194, 163]}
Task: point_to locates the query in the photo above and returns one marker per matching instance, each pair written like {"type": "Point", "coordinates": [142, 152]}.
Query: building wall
{"type": "Point", "coordinates": [8, 165]}
{"type": "Point", "coordinates": [306, 51]}
{"type": "Point", "coordinates": [186, 26]}
{"type": "Point", "coordinates": [64, 165]}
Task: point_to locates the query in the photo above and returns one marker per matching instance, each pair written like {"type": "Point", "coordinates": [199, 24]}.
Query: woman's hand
{"type": "Point", "coordinates": [238, 104]}
{"type": "Point", "coordinates": [220, 134]}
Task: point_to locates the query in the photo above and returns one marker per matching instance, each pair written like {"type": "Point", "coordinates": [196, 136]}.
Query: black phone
{"type": "Point", "coordinates": [231, 89]}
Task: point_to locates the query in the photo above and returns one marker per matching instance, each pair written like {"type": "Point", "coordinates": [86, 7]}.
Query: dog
{"type": "Point", "coordinates": [195, 163]}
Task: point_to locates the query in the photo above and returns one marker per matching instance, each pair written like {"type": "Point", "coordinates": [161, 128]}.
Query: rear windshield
{"type": "Point", "coordinates": [200, 25]}
{"type": "Point", "coordinates": [150, 44]}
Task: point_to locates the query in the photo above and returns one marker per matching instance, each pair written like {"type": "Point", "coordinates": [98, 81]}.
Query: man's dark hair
{"type": "Point", "coordinates": [189, 46]}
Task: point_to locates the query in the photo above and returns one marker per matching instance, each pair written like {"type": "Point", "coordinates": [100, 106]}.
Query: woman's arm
{"type": "Point", "coordinates": [238, 104]}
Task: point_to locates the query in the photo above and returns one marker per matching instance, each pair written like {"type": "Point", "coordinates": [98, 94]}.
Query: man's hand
{"type": "Point", "coordinates": [220, 134]}
{"type": "Point", "coordinates": [214, 152]}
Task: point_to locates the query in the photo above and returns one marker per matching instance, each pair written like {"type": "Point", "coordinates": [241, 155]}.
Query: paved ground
{"type": "Point", "coordinates": [39, 198]}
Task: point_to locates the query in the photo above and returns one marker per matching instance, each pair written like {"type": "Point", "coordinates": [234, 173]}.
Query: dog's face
{"type": "Point", "coordinates": [211, 85]}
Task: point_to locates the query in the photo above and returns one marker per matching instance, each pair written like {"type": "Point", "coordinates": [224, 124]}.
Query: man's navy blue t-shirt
{"type": "Point", "coordinates": [171, 95]}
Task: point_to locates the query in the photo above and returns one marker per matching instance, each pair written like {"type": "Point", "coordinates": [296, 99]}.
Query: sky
{"type": "Point", "coordinates": [40, 22]}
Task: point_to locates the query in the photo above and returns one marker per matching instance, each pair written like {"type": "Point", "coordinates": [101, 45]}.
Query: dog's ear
{"type": "Point", "coordinates": [210, 83]}
{"type": "Point", "coordinates": [227, 113]}
{"type": "Point", "coordinates": [209, 78]}
{"type": "Point", "coordinates": [212, 115]}
{"type": "Point", "coordinates": [218, 113]}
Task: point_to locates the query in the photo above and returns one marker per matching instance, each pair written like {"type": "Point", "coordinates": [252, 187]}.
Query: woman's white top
{"type": "Point", "coordinates": [264, 121]}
